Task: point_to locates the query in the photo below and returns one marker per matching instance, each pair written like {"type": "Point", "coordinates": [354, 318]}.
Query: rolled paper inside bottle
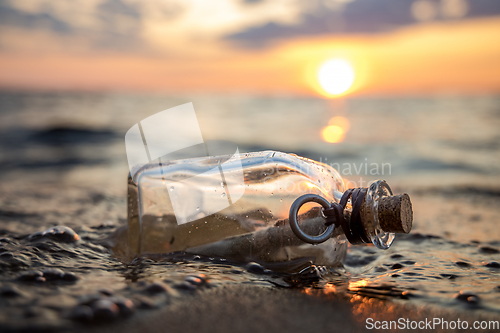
{"type": "Point", "coordinates": [395, 213]}
{"type": "Point", "coordinates": [265, 245]}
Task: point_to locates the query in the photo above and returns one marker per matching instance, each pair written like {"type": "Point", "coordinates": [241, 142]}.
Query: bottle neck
{"type": "Point", "coordinates": [373, 214]}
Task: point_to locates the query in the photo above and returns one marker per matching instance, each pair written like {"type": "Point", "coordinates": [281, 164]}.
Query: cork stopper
{"type": "Point", "coordinates": [395, 213]}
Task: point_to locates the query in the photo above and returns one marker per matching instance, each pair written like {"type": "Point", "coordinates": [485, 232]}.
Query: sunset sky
{"type": "Point", "coordinates": [395, 47]}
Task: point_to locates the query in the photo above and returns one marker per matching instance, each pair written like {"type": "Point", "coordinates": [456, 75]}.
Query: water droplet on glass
{"type": "Point", "coordinates": [197, 208]}
{"type": "Point", "coordinates": [223, 195]}
{"type": "Point", "coordinates": [171, 188]}
{"type": "Point", "coordinates": [281, 200]}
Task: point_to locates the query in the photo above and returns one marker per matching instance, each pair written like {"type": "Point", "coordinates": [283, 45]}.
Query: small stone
{"type": "Point", "coordinates": [468, 297]}
{"type": "Point", "coordinates": [40, 279]}
{"type": "Point", "coordinates": [397, 266]}
{"type": "Point", "coordinates": [105, 310]}
{"type": "Point", "coordinates": [492, 264]}
{"type": "Point", "coordinates": [10, 291]}
{"type": "Point", "coordinates": [52, 274]}
{"type": "Point", "coordinates": [82, 313]}
{"type": "Point", "coordinates": [60, 234]}
{"type": "Point", "coordinates": [255, 268]}
{"type": "Point", "coordinates": [156, 288]}
{"type": "Point", "coordinates": [473, 299]}
{"type": "Point", "coordinates": [30, 276]}
{"type": "Point", "coordinates": [488, 250]}
{"type": "Point", "coordinates": [70, 277]}
{"type": "Point", "coordinates": [462, 264]}
{"type": "Point", "coordinates": [197, 280]}
{"type": "Point", "coordinates": [125, 306]}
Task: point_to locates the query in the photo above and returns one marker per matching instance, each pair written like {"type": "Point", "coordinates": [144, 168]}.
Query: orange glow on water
{"type": "Point", "coordinates": [333, 134]}
{"type": "Point", "coordinates": [358, 284]}
{"type": "Point", "coordinates": [336, 129]}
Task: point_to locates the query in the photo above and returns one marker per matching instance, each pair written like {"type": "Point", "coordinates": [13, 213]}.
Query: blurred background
{"type": "Point", "coordinates": [403, 90]}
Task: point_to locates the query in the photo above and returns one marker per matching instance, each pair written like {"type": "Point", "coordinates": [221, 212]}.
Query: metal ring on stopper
{"type": "Point", "coordinates": [294, 224]}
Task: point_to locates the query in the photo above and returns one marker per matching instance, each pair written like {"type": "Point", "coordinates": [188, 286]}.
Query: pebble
{"type": "Point", "coordinates": [52, 274]}
{"type": "Point", "coordinates": [253, 267]}
{"type": "Point", "coordinates": [397, 266]}
{"type": "Point", "coordinates": [462, 264]}
{"type": "Point", "coordinates": [396, 256]}
{"type": "Point", "coordinates": [60, 234]}
{"type": "Point", "coordinates": [492, 264]}
{"type": "Point", "coordinates": [156, 288]}
{"type": "Point", "coordinates": [10, 291]}
{"type": "Point", "coordinates": [468, 297]}
{"type": "Point", "coordinates": [488, 250]}
{"type": "Point", "coordinates": [70, 277]}
{"type": "Point", "coordinates": [197, 280]}
{"type": "Point", "coordinates": [30, 276]}
{"type": "Point", "coordinates": [105, 310]}
{"type": "Point", "coordinates": [48, 274]}
{"type": "Point", "coordinates": [125, 306]}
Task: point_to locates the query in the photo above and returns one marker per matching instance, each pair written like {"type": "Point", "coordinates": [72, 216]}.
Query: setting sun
{"type": "Point", "coordinates": [336, 76]}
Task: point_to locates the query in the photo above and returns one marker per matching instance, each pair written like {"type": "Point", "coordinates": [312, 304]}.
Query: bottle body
{"type": "Point", "coordinates": [235, 207]}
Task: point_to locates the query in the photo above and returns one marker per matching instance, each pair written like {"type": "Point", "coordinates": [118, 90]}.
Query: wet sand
{"type": "Point", "coordinates": [190, 294]}
{"type": "Point", "coordinates": [253, 309]}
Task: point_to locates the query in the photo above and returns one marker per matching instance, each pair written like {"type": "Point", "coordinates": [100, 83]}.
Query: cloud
{"type": "Point", "coordinates": [109, 25]}
{"type": "Point", "coordinates": [12, 17]}
{"type": "Point", "coordinates": [362, 16]}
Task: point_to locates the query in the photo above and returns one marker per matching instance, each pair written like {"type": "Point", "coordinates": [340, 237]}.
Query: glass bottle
{"type": "Point", "coordinates": [238, 207]}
